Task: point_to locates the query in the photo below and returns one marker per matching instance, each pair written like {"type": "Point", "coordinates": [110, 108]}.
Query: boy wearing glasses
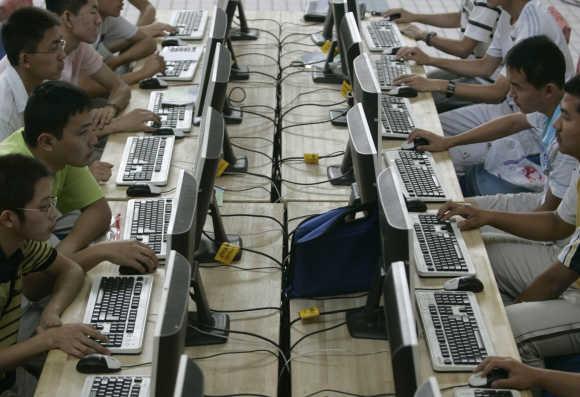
{"type": "Point", "coordinates": [27, 216]}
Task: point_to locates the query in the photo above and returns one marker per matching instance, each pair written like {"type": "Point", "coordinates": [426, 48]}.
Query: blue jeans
{"type": "Point", "coordinates": [478, 182]}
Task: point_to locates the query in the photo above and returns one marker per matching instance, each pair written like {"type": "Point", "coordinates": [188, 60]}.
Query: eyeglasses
{"type": "Point", "coordinates": [45, 208]}
{"type": "Point", "coordinates": [60, 44]}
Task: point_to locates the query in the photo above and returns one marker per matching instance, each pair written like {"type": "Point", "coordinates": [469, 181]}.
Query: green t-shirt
{"type": "Point", "coordinates": [74, 187]}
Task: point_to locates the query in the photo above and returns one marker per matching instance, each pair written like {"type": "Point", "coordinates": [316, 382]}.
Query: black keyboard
{"type": "Point", "coordinates": [395, 116]}
{"type": "Point", "coordinates": [188, 22]}
{"type": "Point", "coordinates": [176, 68]}
{"type": "Point", "coordinates": [169, 114]}
{"type": "Point", "coordinates": [389, 68]}
{"type": "Point", "coordinates": [145, 157]}
{"type": "Point", "coordinates": [439, 246]}
{"type": "Point", "coordinates": [150, 219]}
{"type": "Point", "coordinates": [384, 34]}
{"type": "Point", "coordinates": [492, 393]}
{"type": "Point", "coordinates": [117, 386]}
{"type": "Point", "coordinates": [418, 175]}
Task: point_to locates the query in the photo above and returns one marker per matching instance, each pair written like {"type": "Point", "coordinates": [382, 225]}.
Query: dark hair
{"type": "Point", "coordinates": [60, 6]}
{"type": "Point", "coordinates": [572, 87]}
{"type": "Point", "coordinates": [24, 29]}
{"type": "Point", "coordinates": [50, 107]}
{"type": "Point", "coordinates": [18, 177]}
{"type": "Point", "coordinates": [540, 60]}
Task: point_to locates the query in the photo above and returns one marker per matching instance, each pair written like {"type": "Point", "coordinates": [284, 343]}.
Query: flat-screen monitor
{"type": "Point", "coordinates": [364, 156]}
{"type": "Point", "coordinates": [401, 330]}
{"type": "Point", "coordinates": [181, 227]}
{"type": "Point", "coordinates": [429, 389]}
{"type": "Point", "coordinates": [171, 328]}
{"type": "Point", "coordinates": [216, 98]}
{"type": "Point", "coordinates": [189, 379]}
{"type": "Point", "coordinates": [367, 91]}
{"type": "Point", "coordinates": [217, 34]}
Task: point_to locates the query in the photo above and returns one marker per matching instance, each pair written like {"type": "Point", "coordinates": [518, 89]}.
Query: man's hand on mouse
{"type": "Point", "coordinates": [414, 54]}
{"type": "Point", "coordinates": [420, 83]}
{"type": "Point", "coordinates": [131, 253]}
{"type": "Point", "coordinates": [474, 217]}
{"type": "Point", "coordinates": [75, 339]}
{"type": "Point", "coordinates": [520, 377]}
{"type": "Point", "coordinates": [436, 143]}
{"type": "Point", "coordinates": [405, 16]}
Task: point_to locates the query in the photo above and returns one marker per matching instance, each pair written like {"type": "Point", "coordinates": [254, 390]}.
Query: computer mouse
{"type": "Point", "coordinates": [402, 91]}
{"type": "Point", "coordinates": [169, 131]}
{"type": "Point", "coordinates": [98, 364]}
{"type": "Point", "coordinates": [420, 141]}
{"type": "Point", "coordinates": [152, 83]}
{"type": "Point", "coordinates": [128, 271]}
{"type": "Point", "coordinates": [143, 191]}
{"type": "Point", "coordinates": [416, 206]}
{"type": "Point", "coordinates": [480, 380]}
{"type": "Point", "coordinates": [171, 42]}
{"type": "Point", "coordinates": [393, 17]}
{"type": "Point", "coordinates": [391, 51]}
{"type": "Point", "coordinates": [466, 283]}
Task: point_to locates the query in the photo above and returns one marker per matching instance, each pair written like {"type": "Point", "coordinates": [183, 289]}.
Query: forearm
{"type": "Point", "coordinates": [93, 222]}
{"type": "Point", "coordinates": [460, 48]}
{"type": "Point", "coordinates": [449, 20]}
{"type": "Point", "coordinates": [146, 16]}
{"type": "Point", "coordinates": [547, 226]}
{"type": "Point", "coordinates": [91, 256]}
{"type": "Point", "coordinates": [139, 50]}
{"type": "Point", "coordinates": [66, 288]}
{"type": "Point", "coordinates": [495, 129]}
{"type": "Point", "coordinates": [562, 384]}
{"type": "Point", "coordinates": [465, 67]}
{"type": "Point", "coordinates": [120, 95]}
{"type": "Point", "coordinates": [18, 354]}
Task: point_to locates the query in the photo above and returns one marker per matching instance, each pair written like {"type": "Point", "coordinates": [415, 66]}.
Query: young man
{"type": "Point", "coordinates": [58, 132]}
{"type": "Point", "coordinates": [27, 216]}
{"type": "Point", "coordinates": [35, 53]}
{"type": "Point", "coordinates": [535, 70]}
{"type": "Point", "coordinates": [477, 22]}
{"type": "Point", "coordinates": [544, 312]}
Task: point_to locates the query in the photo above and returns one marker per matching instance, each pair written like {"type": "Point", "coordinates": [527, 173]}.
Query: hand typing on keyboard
{"type": "Point", "coordinates": [474, 217]}
{"type": "Point", "coordinates": [421, 83]}
{"type": "Point", "coordinates": [158, 29]}
{"type": "Point", "coordinates": [414, 54]}
{"type": "Point", "coordinates": [134, 121]}
{"type": "Point", "coordinates": [75, 339]}
{"type": "Point", "coordinates": [131, 253]}
{"type": "Point", "coordinates": [414, 32]}
{"type": "Point", "coordinates": [436, 143]}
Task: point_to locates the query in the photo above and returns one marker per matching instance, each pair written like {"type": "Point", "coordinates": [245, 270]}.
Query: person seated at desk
{"type": "Point", "coordinates": [120, 43]}
{"type": "Point", "coordinates": [27, 216]}
{"type": "Point", "coordinates": [477, 22]}
{"type": "Point", "coordinates": [535, 70]}
{"type": "Point", "coordinates": [524, 377]}
{"type": "Point", "coordinates": [35, 53]}
{"type": "Point", "coordinates": [146, 20]}
{"type": "Point", "coordinates": [520, 19]}
{"type": "Point", "coordinates": [542, 293]}
{"type": "Point", "coordinates": [58, 132]}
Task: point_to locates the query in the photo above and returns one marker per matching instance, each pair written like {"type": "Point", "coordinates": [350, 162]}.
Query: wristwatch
{"type": "Point", "coordinates": [429, 37]}
{"type": "Point", "coordinates": [450, 89]}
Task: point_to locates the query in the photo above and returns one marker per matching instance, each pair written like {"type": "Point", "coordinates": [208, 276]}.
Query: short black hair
{"type": "Point", "coordinates": [60, 6]}
{"type": "Point", "coordinates": [50, 107]}
{"type": "Point", "coordinates": [572, 87]}
{"type": "Point", "coordinates": [24, 30]}
{"type": "Point", "coordinates": [540, 59]}
{"type": "Point", "coordinates": [18, 177]}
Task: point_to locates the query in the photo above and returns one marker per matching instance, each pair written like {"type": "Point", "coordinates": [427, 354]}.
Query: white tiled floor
{"type": "Point", "coordinates": [571, 13]}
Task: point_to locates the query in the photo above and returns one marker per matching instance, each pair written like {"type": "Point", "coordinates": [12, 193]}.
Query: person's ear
{"type": "Point", "coordinates": [66, 19]}
{"type": "Point", "coordinates": [8, 219]}
{"type": "Point", "coordinates": [46, 141]}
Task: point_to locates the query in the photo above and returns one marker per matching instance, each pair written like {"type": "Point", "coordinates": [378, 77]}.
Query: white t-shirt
{"type": "Point", "coordinates": [113, 29]}
{"type": "Point", "coordinates": [13, 103]}
{"type": "Point", "coordinates": [478, 22]}
{"type": "Point", "coordinates": [534, 20]}
{"type": "Point", "coordinates": [560, 168]}
{"type": "Point", "coordinates": [567, 208]}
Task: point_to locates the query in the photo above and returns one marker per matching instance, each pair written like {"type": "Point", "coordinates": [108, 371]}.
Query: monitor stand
{"type": "Point", "coordinates": [239, 73]}
{"type": "Point", "coordinates": [239, 35]}
{"type": "Point", "coordinates": [330, 73]}
{"type": "Point", "coordinates": [338, 117]}
{"type": "Point", "coordinates": [369, 321]}
{"type": "Point", "coordinates": [318, 38]}
{"type": "Point", "coordinates": [232, 115]}
{"type": "Point", "coordinates": [342, 174]}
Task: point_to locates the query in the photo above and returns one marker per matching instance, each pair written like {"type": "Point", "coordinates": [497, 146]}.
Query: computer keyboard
{"type": "Point", "coordinates": [416, 172]}
{"type": "Point", "coordinates": [190, 24]}
{"type": "Point", "coordinates": [456, 334]}
{"type": "Point", "coordinates": [179, 70]}
{"type": "Point", "coordinates": [178, 117]}
{"type": "Point", "coordinates": [485, 393]}
{"type": "Point", "coordinates": [117, 307]}
{"type": "Point", "coordinates": [389, 68]}
{"type": "Point", "coordinates": [147, 221]}
{"type": "Point", "coordinates": [382, 35]}
{"type": "Point", "coordinates": [440, 250]}
{"type": "Point", "coordinates": [146, 159]}
{"type": "Point", "coordinates": [396, 117]}
{"type": "Point", "coordinates": [115, 385]}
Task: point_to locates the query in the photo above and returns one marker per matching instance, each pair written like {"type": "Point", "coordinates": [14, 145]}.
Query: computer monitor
{"type": "Point", "coordinates": [208, 157]}
{"type": "Point", "coordinates": [332, 73]}
{"type": "Point", "coordinates": [181, 226]}
{"type": "Point", "coordinates": [189, 381]}
{"type": "Point", "coordinates": [216, 98]}
{"type": "Point", "coordinates": [369, 322]}
{"type": "Point", "coordinates": [238, 72]}
{"type": "Point", "coordinates": [171, 328]}
{"type": "Point", "coordinates": [401, 330]}
{"type": "Point", "coordinates": [244, 32]}
{"type": "Point", "coordinates": [429, 389]}
{"type": "Point", "coordinates": [366, 91]}
{"type": "Point", "coordinates": [350, 42]}
{"type": "Point", "coordinates": [217, 34]}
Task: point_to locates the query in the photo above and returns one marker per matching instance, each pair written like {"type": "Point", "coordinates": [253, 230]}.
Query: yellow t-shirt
{"type": "Point", "coordinates": [74, 187]}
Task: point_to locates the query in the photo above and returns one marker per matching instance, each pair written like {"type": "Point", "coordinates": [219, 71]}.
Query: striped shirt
{"type": "Point", "coordinates": [478, 22]}
{"type": "Point", "coordinates": [34, 256]}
